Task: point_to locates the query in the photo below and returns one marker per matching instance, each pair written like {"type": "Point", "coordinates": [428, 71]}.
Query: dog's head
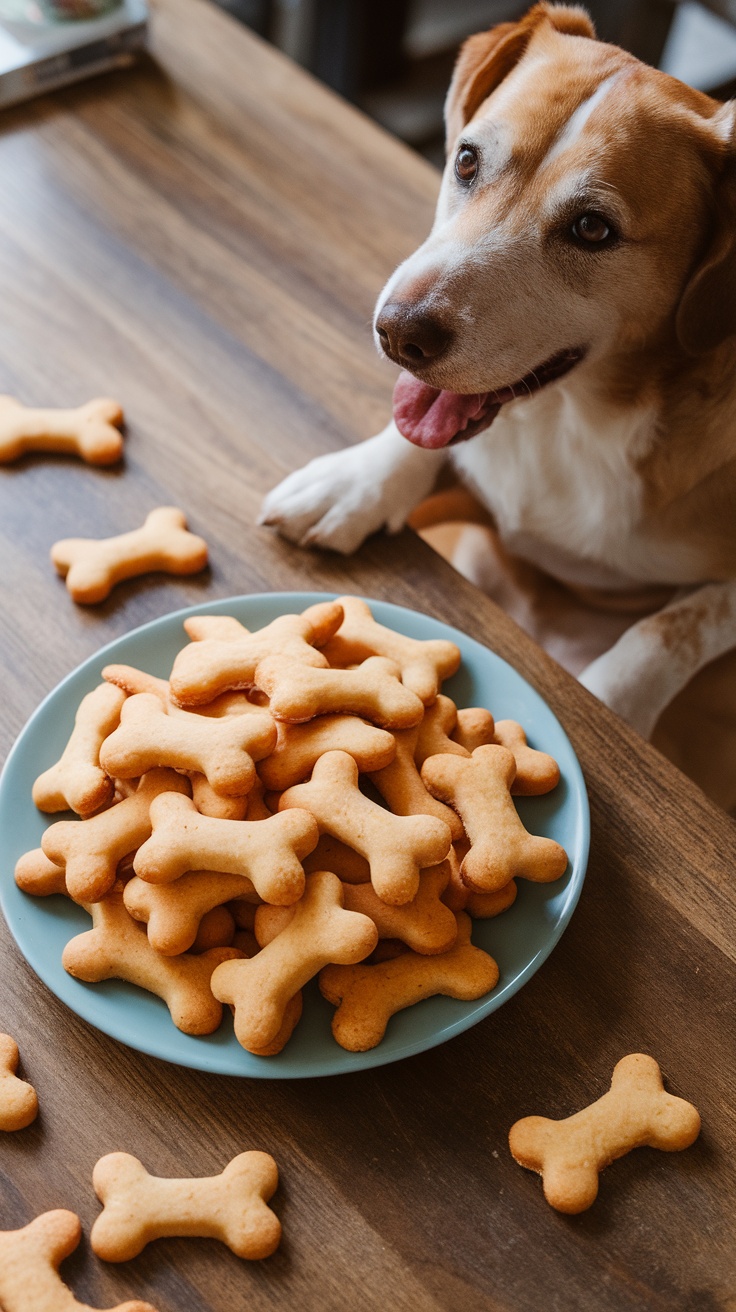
{"type": "Point", "coordinates": [588, 206]}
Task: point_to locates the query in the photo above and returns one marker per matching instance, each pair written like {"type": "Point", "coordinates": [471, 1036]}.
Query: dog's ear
{"type": "Point", "coordinates": [706, 315]}
{"type": "Point", "coordinates": [487, 58]}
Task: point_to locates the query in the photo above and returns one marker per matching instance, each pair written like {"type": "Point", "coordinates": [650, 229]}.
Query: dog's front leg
{"type": "Point", "coordinates": [657, 657]}
{"type": "Point", "coordinates": [338, 499]}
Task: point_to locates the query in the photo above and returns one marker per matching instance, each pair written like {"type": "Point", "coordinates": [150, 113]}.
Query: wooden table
{"type": "Point", "coordinates": [204, 238]}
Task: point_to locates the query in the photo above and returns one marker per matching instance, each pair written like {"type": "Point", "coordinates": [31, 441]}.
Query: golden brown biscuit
{"type": "Point", "coordinates": [396, 847]}
{"type": "Point", "coordinates": [209, 802]}
{"type": "Point", "coordinates": [214, 665]}
{"type": "Point", "coordinates": [174, 912]}
{"type": "Point", "coordinates": [91, 431]}
{"type": "Point", "coordinates": [400, 784]}
{"type": "Point", "coordinates": [423, 663]}
{"type": "Point", "coordinates": [474, 728]}
{"type": "Point", "coordinates": [319, 931]}
{"type": "Point", "coordinates": [268, 852]}
{"type": "Point", "coordinates": [216, 930]}
{"type": "Point", "coordinates": [133, 681]}
{"type": "Point", "coordinates": [29, 1279]}
{"type": "Point", "coordinates": [92, 566]}
{"type": "Point", "coordinates": [343, 861]}
{"type": "Point", "coordinates": [501, 848]}
{"type": "Point", "coordinates": [117, 948]}
{"type": "Point", "coordinates": [367, 997]}
{"type": "Point", "coordinates": [635, 1113]}
{"type": "Point", "coordinates": [18, 1100]}
{"type": "Point", "coordinates": [536, 772]}
{"type": "Point", "coordinates": [36, 874]}
{"type": "Point", "coordinates": [138, 1207]}
{"type": "Point", "coordinates": [373, 691]}
{"type": "Point", "coordinates": [440, 720]}
{"type": "Point", "coordinates": [459, 897]}
{"type": "Point", "coordinates": [223, 627]}
{"type": "Point", "coordinates": [299, 747]}
{"type": "Point", "coordinates": [77, 781]}
{"type": "Point", "coordinates": [89, 850]}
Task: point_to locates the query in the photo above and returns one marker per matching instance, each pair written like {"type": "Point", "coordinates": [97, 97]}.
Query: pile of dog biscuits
{"type": "Point", "coordinates": [293, 802]}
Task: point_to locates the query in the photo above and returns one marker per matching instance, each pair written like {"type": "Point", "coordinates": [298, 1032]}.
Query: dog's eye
{"type": "Point", "coordinates": [466, 164]}
{"type": "Point", "coordinates": [592, 229]}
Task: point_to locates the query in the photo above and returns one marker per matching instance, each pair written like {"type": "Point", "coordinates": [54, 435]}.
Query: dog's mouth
{"type": "Point", "coordinates": [433, 418]}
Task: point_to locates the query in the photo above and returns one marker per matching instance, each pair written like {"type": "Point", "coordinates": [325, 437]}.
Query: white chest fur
{"type": "Point", "coordinates": [558, 473]}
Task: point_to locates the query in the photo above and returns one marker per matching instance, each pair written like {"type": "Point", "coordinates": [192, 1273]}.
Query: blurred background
{"type": "Point", "coordinates": [394, 58]}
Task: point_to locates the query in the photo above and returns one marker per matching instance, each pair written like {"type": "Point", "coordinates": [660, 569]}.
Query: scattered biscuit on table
{"type": "Point", "coordinates": [232, 1207]}
{"type": "Point", "coordinates": [368, 996]}
{"type": "Point", "coordinates": [424, 663]}
{"type": "Point", "coordinates": [78, 782]}
{"type": "Point", "coordinates": [478, 787]}
{"type": "Point", "coordinates": [396, 847]}
{"type": "Point", "coordinates": [18, 1099]}
{"type": "Point", "coordinates": [29, 1261]}
{"type": "Point", "coordinates": [92, 431]}
{"type": "Point", "coordinates": [635, 1113]}
{"type": "Point", "coordinates": [92, 566]}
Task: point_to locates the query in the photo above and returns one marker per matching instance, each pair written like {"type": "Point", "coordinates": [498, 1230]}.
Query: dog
{"type": "Point", "coordinates": [567, 341]}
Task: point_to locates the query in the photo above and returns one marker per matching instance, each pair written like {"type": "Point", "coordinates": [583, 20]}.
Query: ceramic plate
{"type": "Point", "coordinates": [520, 939]}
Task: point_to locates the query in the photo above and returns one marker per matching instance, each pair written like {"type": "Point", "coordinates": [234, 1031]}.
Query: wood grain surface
{"type": "Point", "coordinates": [203, 238]}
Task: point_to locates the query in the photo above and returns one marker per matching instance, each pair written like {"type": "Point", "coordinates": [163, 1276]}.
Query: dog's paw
{"type": "Point", "coordinates": [339, 499]}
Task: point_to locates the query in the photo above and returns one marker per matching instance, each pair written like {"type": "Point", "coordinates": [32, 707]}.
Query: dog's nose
{"type": "Point", "coordinates": [411, 337]}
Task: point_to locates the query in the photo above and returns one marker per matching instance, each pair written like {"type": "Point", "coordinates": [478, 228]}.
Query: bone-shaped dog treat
{"type": "Point", "coordinates": [223, 627]}
{"type": "Point", "coordinates": [18, 1101]}
{"type": "Point", "coordinates": [29, 1258]}
{"type": "Point", "coordinates": [269, 852]}
{"type": "Point", "coordinates": [299, 747]}
{"type": "Point", "coordinates": [209, 802]}
{"type": "Point", "coordinates": [423, 663]}
{"type": "Point", "coordinates": [216, 930]}
{"type": "Point", "coordinates": [92, 566]}
{"type": "Point", "coordinates": [77, 781]}
{"type": "Point", "coordinates": [396, 847]}
{"type": "Point", "coordinates": [174, 912]}
{"type": "Point", "coordinates": [214, 665]}
{"type": "Point", "coordinates": [90, 431]}
{"type": "Point", "coordinates": [89, 850]}
{"type": "Point", "coordinates": [480, 906]}
{"type": "Point", "coordinates": [635, 1113]}
{"type": "Point", "coordinates": [36, 874]}
{"type": "Point", "coordinates": [373, 691]}
{"type": "Point", "coordinates": [367, 997]}
{"type": "Point", "coordinates": [440, 720]}
{"type": "Point", "coordinates": [134, 681]}
{"type": "Point", "coordinates": [400, 785]}
{"type": "Point", "coordinates": [536, 772]}
{"type": "Point", "coordinates": [474, 728]}
{"type": "Point", "coordinates": [320, 931]}
{"type": "Point", "coordinates": [426, 925]}
{"type": "Point", "coordinates": [477, 787]}
{"type": "Point", "coordinates": [257, 809]}
{"type": "Point", "coordinates": [118, 948]}
{"type": "Point", "coordinates": [343, 861]}
{"type": "Point", "coordinates": [138, 1207]}
{"type": "Point", "coordinates": [222, 749]}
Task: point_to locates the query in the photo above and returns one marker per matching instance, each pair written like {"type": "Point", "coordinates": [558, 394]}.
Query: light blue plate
{"type": "Point", "coordinates": [520, 940]}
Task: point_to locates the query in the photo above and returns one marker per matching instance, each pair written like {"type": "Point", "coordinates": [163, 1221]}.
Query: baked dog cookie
{"type": "Point", "coordinates": [36, 874]}
{"type": "Point", "coordinates": [29, 1261]}
{"type": "Point", "coordinates": [118, 948]}
{"type": "Point", "coordinates": [232, 1207]}
{"type": "Point", "coordinates": [269, 852]}
{"type": "Point", "coordinates": [635, 1113]}
{"type": "Point", "coordinates": [216, 930]}
{"type": "Point", "coordinates": [319, 931]}
{"type": "Point", "coordinates": [344, 861]}
{"type": "Point", "coordinates": [222, 627]}
{"type": "Point", "coordinates": [396, 847]}
{"type": "Point", "coordinates": [133, 681]}
{"type": "Point", "coordinates": [213, 665]}
{"type": "Point", "coordinates": [459, 897]}
{"type": "Point", "coordinates": [18, 1100]}
{"type": "Point", "coordinates": [474, 728]}
{"type": "Point", "coordinates": [77, 782]}
{"type": "Point", "coordinates": [501, 848]}
{"type": "Point", "coordinates": [91, 431]}
{"type": "Point", "coordinates": [299, 747]}
{"type": "Point", "coordinates": [209, 802]}
{"type": "Point", "coordinates": [223, 750]}
{"type": "Point", "coordinates": [373, 691]}
{"type": "Point", "coordinates": [423, 663]}
{"type": "Point", "coordinates": [174, 912]}
{"type": "Point", "coordinates": [536, 772]}
{"type": "Point", "coordinates": [367, 997]}
{"type": "Point", "coordinates": [400, 784]}
{"type": "Point", "coordinates": [89, 851]}
{"type": "Point", "coordinates": [92, 567]}
{"type": "Point", "coordinates": [440, 720]}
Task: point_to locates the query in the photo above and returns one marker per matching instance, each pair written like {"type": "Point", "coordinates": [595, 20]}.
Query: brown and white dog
{"type": "Point", "coordinates": [573, 312]}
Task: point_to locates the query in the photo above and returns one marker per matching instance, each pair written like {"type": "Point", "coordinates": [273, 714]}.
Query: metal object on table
{"type": "Point", "coordinates": [45, 44]}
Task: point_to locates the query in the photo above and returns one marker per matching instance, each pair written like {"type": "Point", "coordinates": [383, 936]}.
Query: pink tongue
{"type": "Point", "coordinates": [430, 418]}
